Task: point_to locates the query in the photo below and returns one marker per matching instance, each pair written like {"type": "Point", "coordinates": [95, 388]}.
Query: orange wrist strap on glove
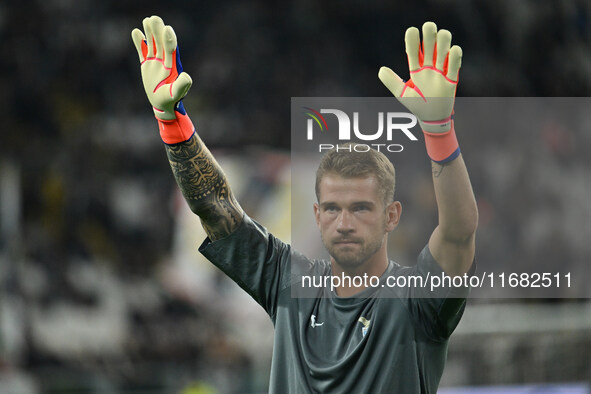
{"type": "Point", "coordinates": [177, 130]}
{"type": "Point", "coordinates": [442, 147]}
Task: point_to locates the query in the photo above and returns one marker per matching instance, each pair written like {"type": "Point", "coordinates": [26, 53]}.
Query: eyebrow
{"type": "Point", "coordinates": [356, 203]}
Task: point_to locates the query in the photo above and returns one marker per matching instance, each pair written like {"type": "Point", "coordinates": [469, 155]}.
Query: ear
{"type": "Point", "coordinates": [393, 212]}
{"type": "Point", "coordinates": [317, 214]}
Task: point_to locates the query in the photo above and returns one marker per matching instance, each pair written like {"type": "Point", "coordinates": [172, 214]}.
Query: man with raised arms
{"type": "Point", "coordinates": [350, 339]}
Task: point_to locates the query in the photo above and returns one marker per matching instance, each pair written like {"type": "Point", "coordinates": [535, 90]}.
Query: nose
{"type": "Point", "coordinates": [345, 222]}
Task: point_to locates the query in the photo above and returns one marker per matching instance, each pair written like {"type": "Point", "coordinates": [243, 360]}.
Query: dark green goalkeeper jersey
{"type": "Point", "coordinates": [384, 340]}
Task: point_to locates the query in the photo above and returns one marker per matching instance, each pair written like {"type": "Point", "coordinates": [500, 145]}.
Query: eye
{"type": "Point", "coordinates": [361, 208]}
{"type": "Point", "coordinates": [331, 208]}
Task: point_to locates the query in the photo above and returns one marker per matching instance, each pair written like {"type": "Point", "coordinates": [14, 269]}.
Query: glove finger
{"type": "Point", "coordinates": [181, 86]}
{"type": "Point", "coordinates": [412, 42]}
{"type": "Point", "coordinates": [169, 46]}
{"type": "Point", "coordinates": [158, 31]}
{"type": "Point", "coordinates": [392, 81]}
{"type": "Point", "coordinates": [429, 40]}
{"type": "Point", "coordinates": [149, 37]}
{"type": "Point", "coordinates": [454, 63]}
{"type": "Point", "coordinates": [138, 38]}
{"type": "Point", "coordinates": [443, 44]}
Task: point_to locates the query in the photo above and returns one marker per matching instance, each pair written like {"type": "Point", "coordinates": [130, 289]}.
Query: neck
{"type": "Point", "coordinates": [376, 265]}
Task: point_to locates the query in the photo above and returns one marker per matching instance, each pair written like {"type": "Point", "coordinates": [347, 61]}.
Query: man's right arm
{"type": "Point", "coordinates": [197, 173]}
{"type": "Point", "coordinates": [205, 187]}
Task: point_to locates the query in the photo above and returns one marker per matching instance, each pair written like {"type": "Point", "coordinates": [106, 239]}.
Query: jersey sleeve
{"type": "Point", "coordinates": [253, 258]}
{"type": "Point", "coordinates": [438, 309]}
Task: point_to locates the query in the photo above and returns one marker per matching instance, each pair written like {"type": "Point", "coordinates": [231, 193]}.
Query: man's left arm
{"type": "Point", "coordinates": [452, 243]}
{"type": "Point", "coordinates": [430, 95]}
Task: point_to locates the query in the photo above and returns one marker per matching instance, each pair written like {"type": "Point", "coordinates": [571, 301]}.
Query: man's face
{"type": "Point", "coordinates": [353, 219]}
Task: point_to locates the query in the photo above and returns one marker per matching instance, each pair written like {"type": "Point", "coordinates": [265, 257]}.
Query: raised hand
{"type": "Point", "coordinates": [164, 81]}
{"type": "Point", "coordinates": [430, 92]}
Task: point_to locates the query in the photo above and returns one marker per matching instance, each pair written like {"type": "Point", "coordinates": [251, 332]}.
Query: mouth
{"type": "Point", "coordinates": [345, 242]}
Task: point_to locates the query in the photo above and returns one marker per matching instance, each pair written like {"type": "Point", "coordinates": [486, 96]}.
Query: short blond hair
{"type": "Point", "coordinates": [348, 163]}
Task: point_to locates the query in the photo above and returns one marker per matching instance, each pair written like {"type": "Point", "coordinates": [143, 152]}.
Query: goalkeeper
{"type": "Point", "coordinates": [349, 339]}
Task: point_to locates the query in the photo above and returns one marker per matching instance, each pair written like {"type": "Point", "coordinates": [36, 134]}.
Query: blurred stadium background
{"type": "Point", "coordinates": [101, 286]}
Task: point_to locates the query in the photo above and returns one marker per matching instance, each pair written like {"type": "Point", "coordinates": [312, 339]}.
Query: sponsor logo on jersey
{"type": "Point", "coordinates": [313, 322]}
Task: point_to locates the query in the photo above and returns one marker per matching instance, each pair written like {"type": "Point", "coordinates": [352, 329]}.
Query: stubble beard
{"type": "Point", "coordinates": [347, 257]}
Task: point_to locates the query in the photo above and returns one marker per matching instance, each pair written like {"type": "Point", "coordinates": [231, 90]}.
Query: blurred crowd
{"type": "Point", "coordinates": [101, 285]}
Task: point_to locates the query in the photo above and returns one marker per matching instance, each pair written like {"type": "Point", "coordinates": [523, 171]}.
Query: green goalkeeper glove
{"type": "Point", "coordinates": [430, 92]}
{"type": "Point", "coordinates": [164, 81]}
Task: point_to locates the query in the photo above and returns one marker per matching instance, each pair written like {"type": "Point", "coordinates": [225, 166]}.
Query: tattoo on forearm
{"type": "Point", "coordinates": [437, 169]}
{"type": "Point", "coordinates": [205, 187]}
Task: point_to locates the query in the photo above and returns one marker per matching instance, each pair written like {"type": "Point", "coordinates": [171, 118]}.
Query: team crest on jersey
{"type": "Point", "coordinates": [365, 323]}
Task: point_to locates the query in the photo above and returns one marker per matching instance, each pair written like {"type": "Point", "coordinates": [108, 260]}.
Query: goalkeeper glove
{"type": "Point", "coordinates": [164, 81]}
{"type": "Point", "coordinates": [430, 92]}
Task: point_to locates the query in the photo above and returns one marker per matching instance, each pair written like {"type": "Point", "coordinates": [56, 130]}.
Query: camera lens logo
{"type": "Point", "coordinates": [316, 116]}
